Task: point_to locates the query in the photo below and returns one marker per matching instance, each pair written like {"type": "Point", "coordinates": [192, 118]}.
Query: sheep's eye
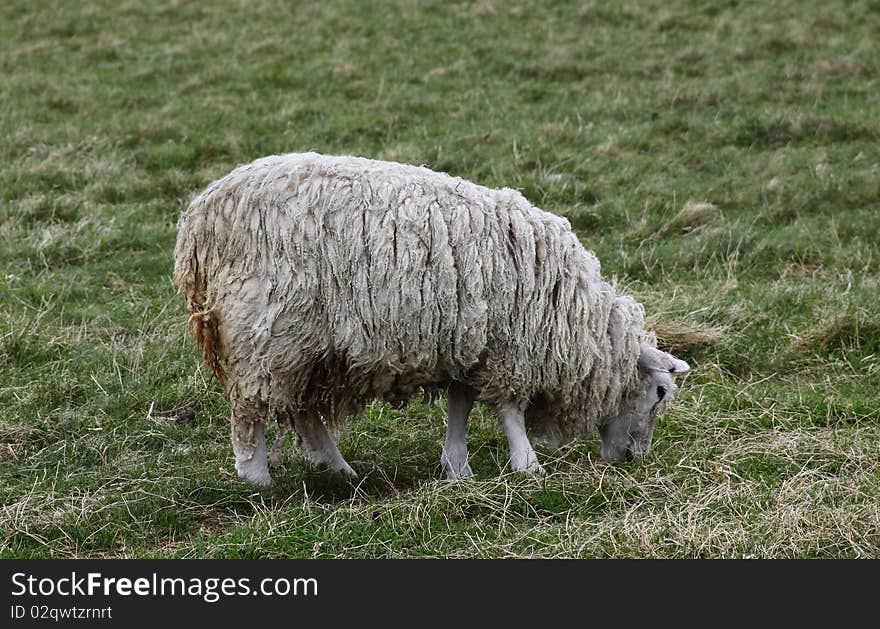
{"type": "Point", "coordinates": [661, 392]}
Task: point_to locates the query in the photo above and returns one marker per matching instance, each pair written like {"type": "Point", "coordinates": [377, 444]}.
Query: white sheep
{"type": "Point", "coordinates": [316, 284]}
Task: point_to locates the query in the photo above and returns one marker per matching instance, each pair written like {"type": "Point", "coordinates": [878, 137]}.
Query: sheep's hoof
{"type": "Point", "coordinates": [342, 468]}
{"type": "Point", "coordinates": [262, 480]}
{"type": "Point", "coordinates": [531, 467]}
{"type": "Point", "coordinates": [346, 470]}
{"type": "Point", "coordinates": [535, 470]}
{"type": "Point", "coordinates": [256, 475]}
{"type": "Point", "coordinates": [463, 473]}
{"type": "Point", "coordinates": [455, 464]}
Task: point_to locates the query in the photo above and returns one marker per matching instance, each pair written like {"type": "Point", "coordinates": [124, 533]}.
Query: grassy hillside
{"type": "Point", "coordinates": [722, 159]}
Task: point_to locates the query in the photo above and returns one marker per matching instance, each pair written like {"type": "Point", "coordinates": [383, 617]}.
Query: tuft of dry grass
{"type": "Point", "coordinates": [858, 330]}
{"type": "Point", "coordinates": [692, 215]}
{"type": "Point", "coordinates": [682, 337]}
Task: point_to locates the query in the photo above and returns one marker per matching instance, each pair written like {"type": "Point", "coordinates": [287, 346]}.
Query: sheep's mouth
{"type": "Point", "coordinates": [619, 455]}
{"type": "Point", "coordinates": [632, 451]}
{"type": "Point", "coordinates": [640, 450]}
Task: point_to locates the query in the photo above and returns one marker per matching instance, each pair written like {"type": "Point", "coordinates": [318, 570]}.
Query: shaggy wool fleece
{"type": "Point", "coordinates": [324, 282]}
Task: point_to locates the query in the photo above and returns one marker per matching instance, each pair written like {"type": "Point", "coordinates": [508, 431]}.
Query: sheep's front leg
{"type": "Point", "coordinates": [249, 441]}
{"type": "Point", "coordinates": [318, 446]}
{"type": "Point", "coordinates": [522, 455]}
{"type": "Point", "coordinates": [454, 457]}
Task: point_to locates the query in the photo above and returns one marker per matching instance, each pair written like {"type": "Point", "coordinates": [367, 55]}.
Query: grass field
{"type": "Point", "coordinates": [722, 159]}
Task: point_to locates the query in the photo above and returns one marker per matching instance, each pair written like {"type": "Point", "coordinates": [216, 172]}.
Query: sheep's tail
{"type": "Point", "coordinates": [191, 278]}
{"type": "Point", "coordinates": [203, 326]}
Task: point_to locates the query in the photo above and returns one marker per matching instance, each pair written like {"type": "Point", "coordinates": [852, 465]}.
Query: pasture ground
{"type": "Point", "coordinates": [722, 159]}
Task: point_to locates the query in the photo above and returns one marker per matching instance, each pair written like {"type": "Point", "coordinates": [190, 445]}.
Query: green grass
{"type": "Point", "coordinates": [722, 159]}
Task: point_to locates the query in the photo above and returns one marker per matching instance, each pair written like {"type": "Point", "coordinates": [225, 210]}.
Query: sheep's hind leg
{"type": "Point", "coordinates": [276, 452]}
{"type": "Point", "coordinates": [249, 441]}
{"type": "Point", "coordinates": [318, 445]}
{"type": "Point", "coordinates": [522, 455]}
{"type": "Point", "coordinates": [454, 457]}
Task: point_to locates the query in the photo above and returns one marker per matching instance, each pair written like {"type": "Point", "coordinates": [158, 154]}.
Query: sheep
{"type": "Point", "coordinates": [316, 284]}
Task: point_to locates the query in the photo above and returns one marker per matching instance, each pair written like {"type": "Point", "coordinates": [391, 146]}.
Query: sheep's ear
{"type": "Point", "coordinates": [653, 359]}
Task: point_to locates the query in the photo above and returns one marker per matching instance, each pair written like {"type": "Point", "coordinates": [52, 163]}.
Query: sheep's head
{"type": "Point", "coordinates": [629, 434]}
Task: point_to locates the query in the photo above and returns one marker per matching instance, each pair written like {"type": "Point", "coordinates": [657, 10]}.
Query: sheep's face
{"type": "Point", "coordinates": [629, 434]}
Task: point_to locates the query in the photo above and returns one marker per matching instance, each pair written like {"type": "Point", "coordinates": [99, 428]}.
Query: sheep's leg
{"type": "Point", "coordinates": [454, 457]}
{"type": "Point", "coordinates": [318, 445]}
{"type": "Point", "coordinates": [276, 452]}
{"type": "Point", "coordinates": [249, 441]}
{"type": "Point", "coordinates": [522, 455]}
